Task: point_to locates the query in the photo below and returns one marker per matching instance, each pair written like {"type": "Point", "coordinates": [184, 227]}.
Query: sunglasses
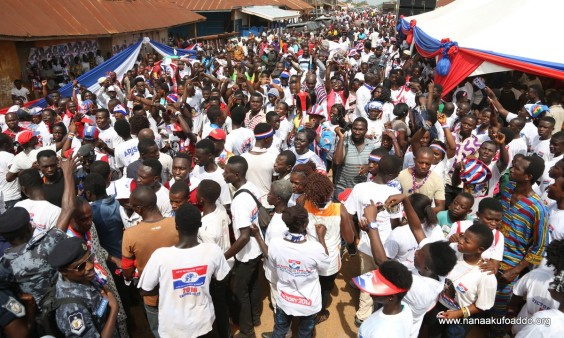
{"type": "Point", "coordinates": [80, 267]}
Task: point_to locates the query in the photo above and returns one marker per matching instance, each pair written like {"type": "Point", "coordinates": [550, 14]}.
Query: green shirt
{"type": "Point", "coordinates": [446, 223]}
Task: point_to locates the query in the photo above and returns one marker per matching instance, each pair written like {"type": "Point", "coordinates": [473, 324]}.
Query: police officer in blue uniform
{"type": "Point", "coordinates": [84, 308]}
{"type": "Point", "coordinates": [24, 264]}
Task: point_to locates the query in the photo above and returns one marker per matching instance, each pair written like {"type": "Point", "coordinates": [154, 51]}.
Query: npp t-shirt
{"type": "Point", "coordinates": [184, 277]}
{"type": "Point", "coordinates": [296, 274]}
{"type": "Point", "coordinates": [244, 212]}
{"type": "Point", "coordinates": [361, 197]}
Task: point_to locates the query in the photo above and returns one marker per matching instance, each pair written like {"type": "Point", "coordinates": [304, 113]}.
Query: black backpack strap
{"type": "Point", "coordinates": [250, 193]}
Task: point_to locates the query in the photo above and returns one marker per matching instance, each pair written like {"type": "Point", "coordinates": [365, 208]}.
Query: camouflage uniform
{"type": "Point", "coordinates": [75, 320]}
{"type": "Point", "coordinates": [26, 265]}
{"type": "Point", "coordinates": [10, 308]}
{"type": "Point", "coordinates": [101, 257]}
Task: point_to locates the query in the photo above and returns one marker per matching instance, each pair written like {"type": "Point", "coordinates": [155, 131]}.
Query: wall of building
{"type": "Point", "coordinates": [216, 23]}
{"type": "Point", "coordinates": [9, 71]}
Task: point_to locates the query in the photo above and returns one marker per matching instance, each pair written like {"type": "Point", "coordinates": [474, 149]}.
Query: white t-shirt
{"type": "Point", "coordinates": [310, 156]}
{"type": "Point", "coordinates": [244, 212]}
{"type": "Point", "coordinates": [401, 244]}
{"type": "Point", "coordinates": [110, 137]}
{"type": "Point", "coordinates": [528, 132]}
{"type": "Point", "coordinates": [215, 229]}
{"type": "Point", "coordinates": [11, 190]}
{"type": "Point", "coordinates": [23, 92]}
{"type": "Point", "coordinates": [541, 148]}
{"type": "Point", "coordinates": [166, 161]}
{"type": "Point", "coordinates": [126, 152]}
{"type": "Point", "coordinates": [422, 297]}
{"type": "Point", "coordinates": [42, 214]}
{"type": "Point", "coordinates": [202, 174]}
{"type": "Point", "coordinates": [296, 274]}
{"type": "Point", "coordinates": [184, 276]}
{"type": "Point", "coordinates": [533, 287]}
{"type": "Point", "coordinates": [361, 197]}
{"type": "Point", "coordinates": [470, 285]}
{"type": "Point", "coordinates": [392, 326]}
{"type": "Point", "coordinates": [553, 325]}
{"type": "Point", "coordinates": [545, 179]}
{"type": "Point", "coordinates": [240, 141]}
{"type": "Point", "coordinates": [481, 191]}
{"type": "Point", "coordinates": [261, 168]}
{"type": "Point", "coordinates": [46, 136]}
{"type": "Point", "coordinates": [163, 201]}
{"type": "Point", "coordinates": [332, 223]}
{"type": "Point", "coordinates": [556, 224]}
{"type": "Point", "coordinates": [276, 229]}
{"type": "Point", "coordinates": [494, 252]}
{"type": "Point", "coordinates": [375, 129]}
{"type": "Point", "coordinates": [23, 161]}
{"type": "Point", "coordinates": [516, 146]}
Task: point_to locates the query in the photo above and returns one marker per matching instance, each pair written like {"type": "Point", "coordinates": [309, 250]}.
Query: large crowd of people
{"type": "Point", "coordinates": [181, 183]}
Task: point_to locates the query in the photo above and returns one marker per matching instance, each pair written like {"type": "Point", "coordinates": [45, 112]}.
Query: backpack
{"type": "Point", "coordinates": [47, 321]}
{"type": "Point", "coordinates": [263, 214]}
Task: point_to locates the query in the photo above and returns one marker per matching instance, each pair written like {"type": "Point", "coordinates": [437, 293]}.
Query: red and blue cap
{"type": "Point", "coordinates": [475, 171]}
{"type": "Point", "coordinates": [374, 283]}
{"type": "Point", "coordinates": [90, 133]}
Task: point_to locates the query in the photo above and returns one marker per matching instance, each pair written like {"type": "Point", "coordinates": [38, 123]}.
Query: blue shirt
{"type": "Point", "coordinates": [107, 220]}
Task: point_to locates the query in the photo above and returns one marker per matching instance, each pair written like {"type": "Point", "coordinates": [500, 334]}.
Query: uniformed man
{"type": "Point", "coordinates": [24, 265]}
{"type": "Point", "coordinates": [85, 308]}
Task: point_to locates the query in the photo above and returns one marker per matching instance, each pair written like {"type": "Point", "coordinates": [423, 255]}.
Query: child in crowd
{"type": "Point", "coordinates": [458, 210]}
{"type": "Point", "coordinates": [468, 290]}
{"type": "Point", "coordinates": [388, 285]}
{"type": "Point", "coordinates": [489, 213]}
{"type": "Point", "coordinates": [401, 244]}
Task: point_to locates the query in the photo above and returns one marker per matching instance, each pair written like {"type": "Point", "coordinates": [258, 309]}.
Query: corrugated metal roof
{"type": "Point", "coordinates": [70, 18]}
{"type": "Point", "coordinates": [228, 5]}
{"type": "Point", "coordinates": [271, 13]}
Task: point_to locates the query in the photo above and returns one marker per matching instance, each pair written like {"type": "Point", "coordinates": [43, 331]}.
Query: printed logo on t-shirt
{"type": "Point", "coordinates": [295, 299]}
{"type": "Point", "coordinates": [294, 268]}
{"type": "Point", "coordinates": [35, 225]}
{"type": "Point", "coordinates": [293, 264]}
{"type": "Point", "coordinates": [461, 288]}
{"type": "Point", "coordinates": [541, 306]}
{"type": "Point", "coordinates": [246, 145]}
{"type": "Point", "coordinates": [130, 152]}
{"type": "Point", "coordinates": [189, 279]}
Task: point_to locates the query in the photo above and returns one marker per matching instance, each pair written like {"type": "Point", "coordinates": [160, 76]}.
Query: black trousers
{"type": "Point", "coordinates": [327, 284]}
{"type": "Point", "coordinates": [247, 294]}
{"type": "Point", "coordinates": [219, 292]}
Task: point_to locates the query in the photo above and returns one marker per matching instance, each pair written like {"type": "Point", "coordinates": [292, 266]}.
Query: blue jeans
{"type": "Point", "coordinates": [282, 323]}
{"type": "Point", "coordinates": [153, 319]}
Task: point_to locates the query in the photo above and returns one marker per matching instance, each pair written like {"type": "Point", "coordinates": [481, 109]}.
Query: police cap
{"type": "Point", "coordinates": [14, 219]}
{"type": "Point", "coordinates": [67, 251]}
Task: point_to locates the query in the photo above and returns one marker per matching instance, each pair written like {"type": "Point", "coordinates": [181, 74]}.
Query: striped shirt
{"type": "Point", "coordinates": [525, 227]}
{"type": "Point", "coordinates": [352, 163]}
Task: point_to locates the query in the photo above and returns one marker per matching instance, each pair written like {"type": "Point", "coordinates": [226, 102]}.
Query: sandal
{"type": "Point", "coordinates": [322, 316]}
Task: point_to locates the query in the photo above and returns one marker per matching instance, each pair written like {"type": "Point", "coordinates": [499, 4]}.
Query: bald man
{"type": "Point", "coordinates": [420, 179]}
{"type": "Point", "coordinates": [140, 241]}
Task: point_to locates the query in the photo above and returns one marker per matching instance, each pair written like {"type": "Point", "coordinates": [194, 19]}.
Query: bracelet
{"type": "Point", "coordinates": [465, 312]}
{"type": "Point", "coordinates": [70, 138]}
{"type": "Point", "coordinates": [374, 225]}
{"type": "Point", "coordinates": [445, 126]}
